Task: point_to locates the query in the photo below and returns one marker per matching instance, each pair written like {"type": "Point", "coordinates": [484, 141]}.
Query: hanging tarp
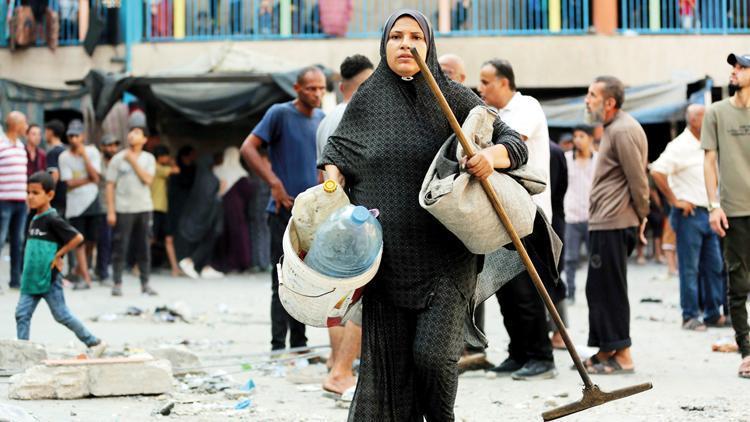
{"type": "Point", "coordinates": [225, 85]}
{"type": "Point", "coordinates": [32, 101]}
{"type": "Point", "coordinates": [649, 104]}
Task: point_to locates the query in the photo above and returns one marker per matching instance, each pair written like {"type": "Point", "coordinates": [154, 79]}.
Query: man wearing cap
{"type": "Point", "coordinates": [79, 168]}
{"type": "Point", "coordinates": [129, 205]}
{"type": "Point", "coordinates": [13, 211]}
{"type": "Point", "coordinates": [109, 146]}
{"type": "Point", "coordinates": [725, 137]}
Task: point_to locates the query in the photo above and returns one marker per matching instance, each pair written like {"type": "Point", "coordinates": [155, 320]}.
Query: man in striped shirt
{"type": "Point", "coordinates": [13, 162]}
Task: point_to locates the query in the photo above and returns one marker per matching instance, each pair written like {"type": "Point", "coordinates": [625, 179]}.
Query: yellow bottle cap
{"type": "Point", "coordinates": [330, 186]}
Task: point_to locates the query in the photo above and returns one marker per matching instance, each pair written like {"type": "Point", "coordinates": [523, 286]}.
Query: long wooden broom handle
{"type": "Point", "coordinates": [492, 195]}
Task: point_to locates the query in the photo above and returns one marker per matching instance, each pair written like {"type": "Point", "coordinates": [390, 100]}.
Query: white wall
{"type": "Point", "coordinates": [541, 61]}
{"type": "Point", "coordinates": [42, 67]}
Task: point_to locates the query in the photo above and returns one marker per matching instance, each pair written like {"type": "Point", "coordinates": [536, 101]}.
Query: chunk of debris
{"type": "Point", "coordinates": [725, 345]}
{"type": "Point", "coordinates": [78, 378]}
{"type": "Point", "coordinates": [182, 359]}
{"type": "Point", "coordinates": [166, 410]}
{"type": "Point", "coordinates": [210, 384]}
{"type": "Point", "coordinates": [651, 300]}
{"type": "Point", "coordinates": [45, 382]}
{"type": "Point", "coordinates": [244, 404]}
{"type": "Point", "coordinates": [18, 355]}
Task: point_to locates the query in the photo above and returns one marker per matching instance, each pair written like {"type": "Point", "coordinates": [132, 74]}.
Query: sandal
{"type": "Point", "coordinates": [720, 322]}
{"type": "Point", "coordinates": [588, 363]}
{"type": "Point", "coordinates": [744, 371]}
{"type": "Point", "coordinates": [693, 324]}
{"type": "Point", "coordinates": [347, 395]}
{"type": "Point", "coordinates": [610, 367]}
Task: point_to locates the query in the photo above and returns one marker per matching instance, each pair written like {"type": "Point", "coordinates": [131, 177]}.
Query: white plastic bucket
{"type": "Point", "coordinates": [313, 298]}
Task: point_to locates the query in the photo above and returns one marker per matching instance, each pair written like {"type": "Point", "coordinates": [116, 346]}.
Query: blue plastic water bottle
{"type": "Point", "coordinates": [346, 244]}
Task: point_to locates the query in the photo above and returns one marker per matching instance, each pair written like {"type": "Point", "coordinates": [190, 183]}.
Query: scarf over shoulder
{"type": "Point", "coordinates": [387, 138]}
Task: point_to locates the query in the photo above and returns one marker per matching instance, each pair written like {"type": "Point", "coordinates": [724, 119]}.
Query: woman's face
{"type": "Point", "coordinates": [406, 33]}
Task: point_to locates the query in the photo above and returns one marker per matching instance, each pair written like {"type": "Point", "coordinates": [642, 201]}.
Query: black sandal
{"type": "Point", "coordinates": [588, 363]}
{"type": "Point", "coordinates": [610, 367]}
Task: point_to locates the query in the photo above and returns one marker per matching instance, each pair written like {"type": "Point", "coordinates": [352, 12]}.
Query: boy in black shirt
{"type": "Point", "coordinates": [49, 238]}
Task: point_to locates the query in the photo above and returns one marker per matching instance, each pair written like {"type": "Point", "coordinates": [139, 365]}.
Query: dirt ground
{"type": "Point", "coordinates": [230, 330]}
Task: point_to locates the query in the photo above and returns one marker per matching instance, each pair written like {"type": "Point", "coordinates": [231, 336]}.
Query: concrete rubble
{"type": "Point", "coordinates": [182, 359]}
{"type": "Point", "coordinates": [73, 379]}
{"type": "Point", "coordinates": [18, 355]}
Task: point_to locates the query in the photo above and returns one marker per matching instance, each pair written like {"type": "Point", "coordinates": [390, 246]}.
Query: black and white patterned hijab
{"type": "Point", "coordinates": [386, 97]}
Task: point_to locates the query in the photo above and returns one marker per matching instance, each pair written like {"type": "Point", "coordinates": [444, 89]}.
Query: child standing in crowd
{"type": "Point", "coordinates": [164, 168]}
{"type": "Point", "coordinates": [581, 162]}
{"type": "Point", "coordinates": [129, 206]}
{"type": "Point", "coordinates": [49, 238]}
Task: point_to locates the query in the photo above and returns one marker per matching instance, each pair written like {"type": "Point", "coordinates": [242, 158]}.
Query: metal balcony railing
{"type": "Point", "coordinates": [190, 20]}
{"type": "Point", "coordinates": [269, 19]}
{"type": "Point", "coordinates": [685, 16]}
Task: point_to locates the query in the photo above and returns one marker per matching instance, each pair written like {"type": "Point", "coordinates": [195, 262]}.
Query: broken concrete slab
{"type": "Point", "coordinates": [18, 355]}
{"type": "Point", "coordinates": [71, 379]}
{"type": "Point", "coordinates": [126, 379]}
{"type": "Point", "coordinates": [183, 360]}
{"type": "Point", "coordinates": [46, 382]}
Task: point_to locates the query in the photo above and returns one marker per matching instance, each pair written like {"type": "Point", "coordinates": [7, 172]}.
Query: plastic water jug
{"type": "Point", "coordinates": [346, 244]}
{"type": "Point", "coordinates": [313, 206]}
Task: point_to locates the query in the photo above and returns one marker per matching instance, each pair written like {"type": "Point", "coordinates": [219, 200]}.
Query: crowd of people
{"type": "Point", "coordinates": [412, 330]}
{"type": "Point", "coordinates": [129, 204]}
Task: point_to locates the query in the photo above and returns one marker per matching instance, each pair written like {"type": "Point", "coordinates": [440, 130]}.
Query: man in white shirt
{"type": "Point", "coordinates": [79, 168]}
{"type": "Point", "coordinates": [524, 315]}
{"type": "Point", "coordinates": [678, 173]}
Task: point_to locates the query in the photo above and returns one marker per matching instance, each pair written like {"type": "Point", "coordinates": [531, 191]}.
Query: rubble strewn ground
{"type": "Point", "coordinates": [223, 331]}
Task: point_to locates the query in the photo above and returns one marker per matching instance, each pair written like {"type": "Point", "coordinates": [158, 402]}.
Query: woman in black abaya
{"type": "Point", "coordinates": [414, 308]}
